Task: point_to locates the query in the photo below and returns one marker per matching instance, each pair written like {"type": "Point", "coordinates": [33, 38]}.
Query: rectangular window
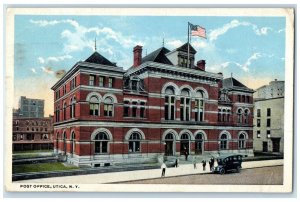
{"type": "Point", "coordinates": [134, 109]}
{"type": "Point", "coordinates": [110, 82]}
{"type": "Point", "coordinates": [258, 134]}
{"type": "Point", "coordinates": [239, 98]}
{"type": "Point", "coordinates": [108, 110]}
{"type": "Point", "coordinates": [268, 122]}
{"type": "Point", "coordinates": [134, 85]}
{"type": "Point", "coordinates": [101, 81]}
{"type": "Point", "coordinates": [258, 122]}
{"type": "Point", "coordinates": [92, 80]}
{"type": "Point", "coordinates": [268, 134]}
{"type": "Point", "coordinates": [142, 110]}
{"type": "Point", "coordinates": [269, 112]}
{"type": "Point", "coordinates": [258, 112]}
{"type": "Point", "coordinates": [126, 109]}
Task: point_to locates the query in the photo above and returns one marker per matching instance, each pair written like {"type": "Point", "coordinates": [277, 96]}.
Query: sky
{"type": "Point", "coordinates": [252, 49]}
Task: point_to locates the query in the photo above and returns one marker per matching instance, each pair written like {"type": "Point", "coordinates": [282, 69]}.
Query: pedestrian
{"type": "Point", "coordinates": [163, 171]}
{"type": "Point", "coordinates": [194, 162]}
{"type": "Point", "coordinates": [211, 164]}
{"type": "Point", "coordinates": [204, 164]}
{"type": "Point", "coordinates": [186, 155]}
{"type": "Point", "coordinates": [176, 163]}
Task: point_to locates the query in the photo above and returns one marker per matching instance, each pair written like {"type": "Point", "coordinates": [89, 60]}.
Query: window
{"type": "Point", "coordinates": [65, 111]}
{"type": "Point", "coordinates": [268, 134]}
{"type": "Point", "coordinates": [258, 134]}
{"type": "Point", "coordinates": [72, 107]}
{"type": "Point", "coordinates": [73, 142]}
{"type": "Point", "coordinates": [57, 114]}
{"type": "Point", "coordinates": [258, 123]}
{"type": "Point", "coordinates": [169, 103]}
{"type": "Point", "coordinates": [268, 122]}
{"type": "Point", "coordinates": [258, 113]}
{"type": "Point", "coordinates": [134, 85]}
{"type": "Point", "coordinates": [65, 89]}
{"type": "Point", "coordinates": [101, 143]}
{"type": "Point", "coordinates": [73, 83]}
{"type": "Point", "coordinates": [243, 98]}
{"type": "Point", "coordinates": [219, 115]}
{"type": "Point", "coordinates": [108, 107]}
{"type": "Point", "coordinates": [142, 110]}
{"type": "Point", "coordinates": [92, 80]}
{"type": "Point", "coordinates": [27, 128]}
{"type": "Point", "coordinates": [239, 98]}
{"type": "Point", "coordinates": [185, 103]}
{"type": "Point", "coordinates": [110, 82]}
{"type": "Point", "coordinates": [199, 143]}
{"type": "Point", "coordinates": [248, 99]}
{"type": "Point", "coordinates": [247, 116]}
{"type": "Point", "coordinates": [134, 109]}
{"type": "Point", "coordinates": [126, 109]}
{"type": "Point", "coordinates": [199, 106]}
{"type": "Point", "coordinates": [223, 142]}
{"type": "Point", "coordinates": [184, 143]}
{"type": "Point", "coordinates": [228, 115]}
{"type": "Point", "coordinates": [269, 112]}
{"type": "Point", "coordinates": [94, 106]}
{"type": "Point", "coordinates": [242, 141]}
{"type": "Point", "coordinates": [17, 127]}
{"type": "Point", "coordinates": [14, 137]}
{"type": "Point", "coordinates": [224, 115]}
{"type": "Point", "coordinates": [101, 81]}
{"type": "Point", "coordinates": [134, 143]}
{"type": "Point", "coordinates": [240, 116]}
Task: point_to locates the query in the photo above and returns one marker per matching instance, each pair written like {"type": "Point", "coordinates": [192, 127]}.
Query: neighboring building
{"type": "Point", "coordinates": [32, 134]}
{"type": "Point", "coordinates": [105, 115]}
{"type": "Point", "coordinates": [273, 90]}
{"type": "Point", "coordinates": [31, 108]}
{"type": "Point", "coordinates": [269, 118]}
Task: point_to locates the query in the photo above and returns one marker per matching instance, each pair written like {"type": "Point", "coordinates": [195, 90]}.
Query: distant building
{"type": "Point", "coordinates": [164, 105]}
{"type": "Point", "coordinates": [269, 118]}
{"type": "Point", "coordinates": [32, 133]}
{"type": "Point", "coordinates": [31, 108]}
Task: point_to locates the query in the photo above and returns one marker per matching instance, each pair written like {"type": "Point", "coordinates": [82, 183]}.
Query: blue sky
{"type": "Point", "coordinates": [251, 48]}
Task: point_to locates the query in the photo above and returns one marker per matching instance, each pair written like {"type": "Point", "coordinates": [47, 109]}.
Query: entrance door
{"type": "Point", "coordinates": [276, 144]}
{"type": "Point", "coordinates": [265, 146]}
{"type": "Point", "coordinates": [169, 148]}
{"type": "Point", "coordinates": [184, 147]}
{"type": "Point", "coordinates": [198, 147]}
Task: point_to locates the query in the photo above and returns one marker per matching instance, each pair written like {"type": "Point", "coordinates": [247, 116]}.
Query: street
{"type": "Point", "coordinates": [255, 176]}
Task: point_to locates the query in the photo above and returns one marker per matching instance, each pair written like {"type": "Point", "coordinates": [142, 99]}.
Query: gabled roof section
{"type": "Point", "coordinates": [159, 56]}
{"type": "Point", "coordinates": [234, 84]}
{"type": "Point", "coordinates": [184, 48]}
{"type": "Point", "coordinates": [97, 58]}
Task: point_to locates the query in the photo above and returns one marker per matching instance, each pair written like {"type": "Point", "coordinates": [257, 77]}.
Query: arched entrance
{"type": "Point", "coordinates": [199, 144]}
{"type": "Point", "coordinates": [169, 144]}
{"type": "Point", "coordinates": [184, 144]}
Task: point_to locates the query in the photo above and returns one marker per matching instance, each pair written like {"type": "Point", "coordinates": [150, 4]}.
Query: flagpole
{"type": "Point", "coordinates": [188, 56]}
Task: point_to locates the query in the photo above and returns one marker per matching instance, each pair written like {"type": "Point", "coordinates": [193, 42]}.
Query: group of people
{"type": "Point", "coordinates": [211, 163]}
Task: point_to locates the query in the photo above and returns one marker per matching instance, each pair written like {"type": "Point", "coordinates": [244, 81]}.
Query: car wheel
{"type": "Point", "coordinates": [212, 169]}
{"type": "Point", "coordinates": [238, 169]}
{"type": "Point", "coordinates": [222, 171]}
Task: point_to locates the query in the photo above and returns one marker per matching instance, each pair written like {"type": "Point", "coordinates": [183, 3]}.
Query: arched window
{"type": "Point", "coordinates": [242, 141]}
{"type": "Point", "coordinates": [73, 107]}
{"type": "Point", "coordinates": [246, 114]}
{"type": "Point", "coordinates": [199, 106]}
{"type": "Point", "coordinates": [169, 144]}
{"type": "Point", "coordinates": [94, 106]}
{"type": "Point", "coordinates": [64, 142]}
{"type": "Point", "coordinates": [73, 138]}
{"type": "Point", "coordinates": [57, 137]}
{"type": "Point", "coordinates": [185, 105]}
{"type": "Point", "coordinates": [101, 143]}
{"type": "Point", "coordinates": [240, 116]}
{"type": "Point", "coordinates": [169, 103]}
{"type": "Point", "coordinates": [134, 142]}
{"type": "Point", "coordinates": [108, 107]}
{"type": "Point", "coordinates": [224, 142]}
{"type": "Point", "coordinates": [57, 114]}
{"type": "Point", "coordinates": [219, 115]}
{"type": "Point", "coordinates": [184, 143]}
{"type": "Point", "coordinates": [199, 143]}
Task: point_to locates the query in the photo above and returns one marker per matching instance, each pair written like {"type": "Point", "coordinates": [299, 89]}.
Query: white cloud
{"type": "Point", "coordinates": [249, 61]}
{"type": "Point", "coordinates": [281, 30]}
{"type": "Point", "coordinates": [33, 70]}
{"type": "Point", "coordinates": [199, 44]}
{"type": "Point", "coordinates": [47, 70]}
{"type": "Point", "coordinates": [174, 43]}
{"type": "Point", "coordinates": [41, 60]}
{"type": "Point", "coordinates": [54, 59]}
{"type": "Point", "coordinates": [231, 50]}
{"type": "Point", "coordinates": [261, 31]}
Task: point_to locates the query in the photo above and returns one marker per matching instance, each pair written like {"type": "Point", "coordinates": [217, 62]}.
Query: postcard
{"type": "Point", "coordinates": [149, 99]}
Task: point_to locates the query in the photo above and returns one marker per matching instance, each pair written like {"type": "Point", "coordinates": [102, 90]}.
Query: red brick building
{"type": "Point", "coordinates": [32, 134]}
{"type": "Point", "coordinates": [162, 105]}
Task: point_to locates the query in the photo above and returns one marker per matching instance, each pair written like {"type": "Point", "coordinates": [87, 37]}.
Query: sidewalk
{"type": "Point", "coordinates": [186, 169]}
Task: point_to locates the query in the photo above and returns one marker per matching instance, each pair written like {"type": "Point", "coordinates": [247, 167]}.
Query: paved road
{"type": "Point", "coordinates": [255, 176]}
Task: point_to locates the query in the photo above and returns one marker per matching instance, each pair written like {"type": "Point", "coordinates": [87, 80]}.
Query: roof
{"type": "Point", "coordinates": [97, 58]}
{"type": "Point", "coordinates": [159, 56]}
{"type": "Point", "coordinates": [184, 48]}
{"type": "Point", "coordinates": [234, 84]}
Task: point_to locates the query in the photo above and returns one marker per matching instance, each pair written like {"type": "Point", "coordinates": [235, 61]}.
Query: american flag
{"type": "Point", "coordinates": [196, 30]}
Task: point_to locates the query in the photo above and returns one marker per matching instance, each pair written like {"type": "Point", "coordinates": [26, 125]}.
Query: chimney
{"type": "Point", "coordinates": [137, 55]}
{"type": "Point", "coordinates": [220, 82]}
{"type": "Point", "coordinates": [201, 65]}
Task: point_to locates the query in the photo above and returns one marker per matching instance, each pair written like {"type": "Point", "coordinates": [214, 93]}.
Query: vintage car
{"type": "Point", "coordinates": [227, 163]}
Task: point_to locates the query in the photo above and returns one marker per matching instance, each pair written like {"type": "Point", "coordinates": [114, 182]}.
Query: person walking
{"type": "Point", "coordinates": [163, 169]}
{"type": "Point", "coordinates": [176, 163]}
{"type": "Point", "coordinates": [195, 163]}
{"type": "Point", "coordinates": [204, 164]}
{"type": "Point", "coordinates": [186, 155]}
{"type": "Point", "coordinates": [211, 164]}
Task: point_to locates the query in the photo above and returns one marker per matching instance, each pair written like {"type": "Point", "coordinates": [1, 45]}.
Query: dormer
{"type": "Point", "coordinates": [179, 56]}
